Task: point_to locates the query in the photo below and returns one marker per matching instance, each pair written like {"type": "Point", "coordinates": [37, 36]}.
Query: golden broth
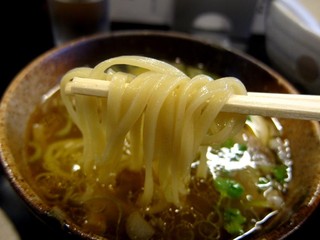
{"type": "Point", "coordinates": [245, 184]}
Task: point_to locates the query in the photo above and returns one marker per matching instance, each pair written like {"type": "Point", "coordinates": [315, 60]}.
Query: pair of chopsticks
{"type": "Point", "coordinates": [296, 106]}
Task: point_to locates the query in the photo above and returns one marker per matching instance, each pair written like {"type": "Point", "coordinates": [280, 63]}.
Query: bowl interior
{"type": "Point", "coordinates": [44, 72]}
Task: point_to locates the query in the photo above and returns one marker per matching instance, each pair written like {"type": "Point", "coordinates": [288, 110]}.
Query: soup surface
{"type": "Point", "coordinates": [244, 186]}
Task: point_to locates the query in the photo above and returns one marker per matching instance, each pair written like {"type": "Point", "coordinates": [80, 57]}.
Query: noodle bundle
{"type": "Point", "coordinates": [156, 120]}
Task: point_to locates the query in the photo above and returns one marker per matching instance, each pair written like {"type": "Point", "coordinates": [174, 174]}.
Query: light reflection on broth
{"type": "Point", "coordinates": [245, 185]}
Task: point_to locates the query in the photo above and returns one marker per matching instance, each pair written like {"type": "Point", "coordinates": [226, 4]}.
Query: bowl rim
{"type": "Point", "coordinates": [20, 185]}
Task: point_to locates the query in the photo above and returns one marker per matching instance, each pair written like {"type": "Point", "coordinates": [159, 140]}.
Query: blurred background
{"type": "Point", "coordinates": [268, 30]}
{"type": "Point", "coordinates": [27, 33]}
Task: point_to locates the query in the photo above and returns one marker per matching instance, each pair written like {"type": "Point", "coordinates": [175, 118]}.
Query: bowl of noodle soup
{"type": "Point", "coordinates": [178, 166]}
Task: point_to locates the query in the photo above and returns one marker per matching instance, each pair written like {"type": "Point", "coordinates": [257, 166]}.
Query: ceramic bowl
{"type": "Point", "coordinates": [26, 89]}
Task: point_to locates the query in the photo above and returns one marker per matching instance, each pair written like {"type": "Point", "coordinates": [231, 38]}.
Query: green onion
{"type": "Point", "coordinates": [242, 147]}
{"type": "Point", "coordinates": [280, 173]}
{"type": "Point", "coordinates": [228, 187]}
{"type": "Point", "coordinates": [228, 143]}
{"type": "Point", "coordinates": [234, 221]}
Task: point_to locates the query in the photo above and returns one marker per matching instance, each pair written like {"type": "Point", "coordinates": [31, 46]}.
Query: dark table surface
{"type": "Point", "coordinates": [26, 35]}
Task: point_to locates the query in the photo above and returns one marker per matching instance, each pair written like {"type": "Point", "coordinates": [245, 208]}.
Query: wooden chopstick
{"type": "Point", "coordinates": [275, 105]}
{"type": "Point", "coordinates": [296, 106]}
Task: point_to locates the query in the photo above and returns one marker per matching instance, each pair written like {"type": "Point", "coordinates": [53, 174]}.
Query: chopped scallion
{"type": "Point", "coordinates": [228, 187]}
{"type": "Point", "coordinates": [234, 221]}
{"type": "Point", "coordinates": [280, 173]}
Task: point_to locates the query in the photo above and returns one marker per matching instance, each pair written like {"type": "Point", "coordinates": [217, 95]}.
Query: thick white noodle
{"type": "Point", "coordinates": [164, 115]}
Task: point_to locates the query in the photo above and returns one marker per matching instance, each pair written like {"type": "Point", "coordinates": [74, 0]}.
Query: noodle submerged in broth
{"type": "Point", "coordinates": [156, 159]}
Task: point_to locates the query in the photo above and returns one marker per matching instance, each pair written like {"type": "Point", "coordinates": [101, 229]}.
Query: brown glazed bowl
{"type": "Point", "coordinates": [26, 89]}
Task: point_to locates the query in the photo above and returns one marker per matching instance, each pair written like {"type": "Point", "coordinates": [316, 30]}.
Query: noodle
{"type": "Point", "coordinates": [164, 114]}
{"type": "Point", "coordinates": [157, 152]}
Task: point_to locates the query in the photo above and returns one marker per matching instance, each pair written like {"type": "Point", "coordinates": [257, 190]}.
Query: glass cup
{"type": "Point", "coordinates": [72, 19]}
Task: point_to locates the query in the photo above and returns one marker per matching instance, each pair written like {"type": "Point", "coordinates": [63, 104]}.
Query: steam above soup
{"type": "Point", "coordinates": [156, 159]}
